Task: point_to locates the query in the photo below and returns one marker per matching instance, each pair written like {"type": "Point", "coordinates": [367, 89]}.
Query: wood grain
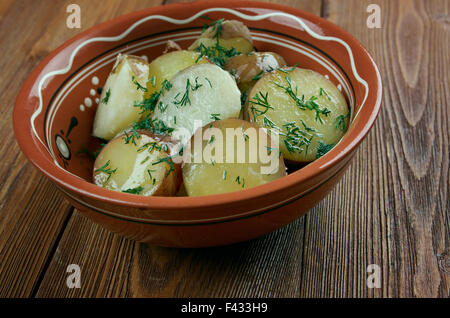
{"type": "Point", "coordinates": [32, 213]}
{"type": "Point", "coordinates": [390, 209]}
{"type": "Point", "coordinates": [397, 216]}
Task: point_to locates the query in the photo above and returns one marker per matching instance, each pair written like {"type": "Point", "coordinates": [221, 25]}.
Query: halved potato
{"type": "Point", "coordinates": [308, 112]}
{"type": "Point", "coordinates": [230, 155]}
{"type": "Point", "coordinates": [248, 68]}
{"type": "Point", "coordinates": [126, 85]}
{"type": "Point", "coordinates": [167, 65]}
{"type": "Point", "coordinates": [199, 95]}
{"type": "Point", "coordinates": [138, 163]}
{"type": "Point", "coordinates": [228, 34]}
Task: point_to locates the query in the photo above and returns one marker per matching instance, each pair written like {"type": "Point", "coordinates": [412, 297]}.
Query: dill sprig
{"type": "Point", "coordinates": [244, 97]}
{"type": "Point", "coordinates": [323, 148]}
{"type": "Point", "coordinates": [185, 99]}
{"type": "Point", "coordinates": [106, 169]}
{"type": "Point", "coordinates": [162, 108]}
{"type": "Point", "coordinates": [149, 171]}
{"type": "Point", "coordinates": [107, 95]}
{"type": "Point", "coordinates": [148, 104]}
{"type": "Point", "coordinates": [131, 137]}
{"type": "Point", "coordinates": [138, 85]}
{"type": "Point", "coordinates": [165, 86]}
{"type": "Point", "coordinates": [303, 104]}
{"type": "Point", "coordinates": [207, 79]}
{"type": "Point", "coordinates": [260, 100]}
{"type": "Point", "coordinates": [156, 126]}
{"type": "Point", "coordinates": [287, 71]}
{"type": "Point", "coordinates": [296, 138]}
{"type": "Point", "coordinates": [217, 53]}
{"type": "Point", "coordinates": [323, 92]}
{"type": "Point", "coordinates": [268, 123]}
{"type": "Point", "coordinates": [341, 121]}
{"type": "Point", "coordinates": [137, 190]}
{"type": "Point", "coordinates": [257, 76]}
{"type": "Point", "coordinates": [238, 180]}
{"type": "Point", "coordinates": [150, 146]}
{"type": "Point", "coordinates": [215, 117]}
{"type": "Point", "coordinates": [167, 160]}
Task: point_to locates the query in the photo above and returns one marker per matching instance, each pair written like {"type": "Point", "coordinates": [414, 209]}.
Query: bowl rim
{"type": "Point", "coordinates": [63, 179]}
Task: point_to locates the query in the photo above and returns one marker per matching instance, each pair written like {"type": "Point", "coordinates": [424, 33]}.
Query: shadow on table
{"type": "Point", "coordinates": [225, 271]}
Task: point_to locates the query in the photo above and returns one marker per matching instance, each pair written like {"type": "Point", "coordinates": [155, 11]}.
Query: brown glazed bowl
{"type": "Point", "coordinates": [54, 112]}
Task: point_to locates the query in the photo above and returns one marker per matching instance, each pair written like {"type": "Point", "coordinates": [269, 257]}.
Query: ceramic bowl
{"type": "Point", "coordinates": [54, 112]}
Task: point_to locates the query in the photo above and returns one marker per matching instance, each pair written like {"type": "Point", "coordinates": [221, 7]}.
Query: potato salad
{"type": "Point", "coordinates": [216, 117]}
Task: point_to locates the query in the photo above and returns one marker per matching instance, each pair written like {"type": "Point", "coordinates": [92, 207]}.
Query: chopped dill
{"type": "Point", "coordinates": [138, 85]}
{"type": "Point", "coordinates": [297, 139]}
{"type": "Point", "coordinates": [137, 190]}
{"type": "Point", "coordinates": [207, 79]}
{"type": "Point", "coordinates": [260, 100]}
{"type": "Point", "coordinates": [215, 117]}
{"type": "Point", "coordinates": [303, 104]}
{"type": "Point", "coordinates": [287, 71]}
{"type": "Point", "coordinates": [106, 169]}
{"type": "Point", "coordinates": [341, 121]}
{"type": "Point", "coordinates": [145, 160]}
{"type": "Point", "coordinates": [162, 108]}
{"type": "Point", "coordinates": [107, 95]}
{"type": "Point", "coordinates": [323, 149]}
{"type": "Point", "coordinates": [323, 92]}
{"type": "Point", "coordinates": [167, 160]}
{"type": "Point", "coordinates": [257, 76]}
{"type": "Point", "coordinates": [131, 137]}
{"type": "Point", "coordinates": [185, 98]}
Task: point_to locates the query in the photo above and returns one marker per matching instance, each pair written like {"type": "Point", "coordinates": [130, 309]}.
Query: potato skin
{"type": "Point", "coordinates": [287, 117]}
{"type": "Point", "coordinates": [172, 184]}
{"type": "Point", "coordinates": [116, 109]}
{"type": "Point", "coordinates": [248, 68]}
{"type": "Point", "coordinates": [206, 178]}
{"type": "Point", "coordinates": [233, 34]}
{"type": "Point", "coordinates": [230, 29]}
{"type": "Point", "coordinates": [122, 166]}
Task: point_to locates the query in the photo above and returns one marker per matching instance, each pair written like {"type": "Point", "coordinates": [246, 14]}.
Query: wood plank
{"type": "Point", "coordinates": [32, 214]}
{"type": "Point", "coordinates": [113, 266]}
{"type": "Point", "coordinates": [391, 209]}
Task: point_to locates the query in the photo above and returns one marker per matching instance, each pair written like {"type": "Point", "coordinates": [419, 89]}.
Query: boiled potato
{"type": "Point", "coordinates": [199, 95]}
{"type": "Point", "coordinates": [248, 68]}
{"type": "Point", "coordinates": [234, 155]}
{"type": "Point", "coordinates": [302, 106]}
{"type": "Point", "coordinates": [165, 66]}
{"type": "Point", "coordinates": [126, 85]}
{"type": "Point", "coordinates": [228, 34]}
{"type": "Point", "coordinates": [138, 163]}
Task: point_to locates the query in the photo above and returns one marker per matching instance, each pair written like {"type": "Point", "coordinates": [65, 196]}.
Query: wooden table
{"type": "Point", "coordinates": [390, 209]}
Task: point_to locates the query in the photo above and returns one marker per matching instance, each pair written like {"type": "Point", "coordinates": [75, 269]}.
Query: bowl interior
{"type": "Point", "coordinates": [66, 87]}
